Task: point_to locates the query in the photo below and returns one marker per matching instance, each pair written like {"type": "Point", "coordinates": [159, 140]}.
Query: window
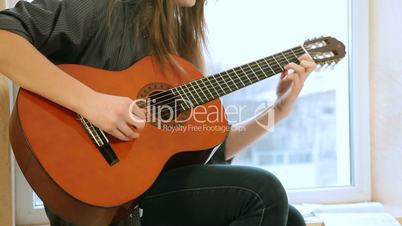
{"type": "Point", "coordinates": [314, 147]}
{"type": "Point", "coordinates": [311, 147]}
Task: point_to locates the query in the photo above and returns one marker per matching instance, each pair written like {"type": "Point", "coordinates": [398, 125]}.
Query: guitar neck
{"type": "Point", "coordinates": [212, 87]}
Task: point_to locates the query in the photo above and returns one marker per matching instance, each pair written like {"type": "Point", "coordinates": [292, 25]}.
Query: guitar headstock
{"type": "Point", "coordinates": [325, 51]}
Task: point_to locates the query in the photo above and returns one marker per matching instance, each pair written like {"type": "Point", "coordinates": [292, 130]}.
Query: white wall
{"type": "Point", "coordinates": [386, 100]}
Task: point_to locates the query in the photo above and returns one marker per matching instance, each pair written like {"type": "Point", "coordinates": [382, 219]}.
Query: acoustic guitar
{"type": "Point", "coordinates": [88, 178]}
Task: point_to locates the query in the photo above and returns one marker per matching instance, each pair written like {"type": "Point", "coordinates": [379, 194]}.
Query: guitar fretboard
{"type": "Point", "coordinates": [214, 86]}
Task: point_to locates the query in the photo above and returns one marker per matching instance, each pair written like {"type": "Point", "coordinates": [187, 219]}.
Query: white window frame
{"type": "Point", "coordinates": [358, 51]}
{"type": "Point", "coordinates": [10, 3]}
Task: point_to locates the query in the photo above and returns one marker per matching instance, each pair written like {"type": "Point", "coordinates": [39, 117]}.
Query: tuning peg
{"type": "Point", "coordinates": [326, 65]}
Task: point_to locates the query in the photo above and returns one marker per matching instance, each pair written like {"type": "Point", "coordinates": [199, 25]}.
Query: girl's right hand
{"type": "Point", "coordinates": [112, 114]}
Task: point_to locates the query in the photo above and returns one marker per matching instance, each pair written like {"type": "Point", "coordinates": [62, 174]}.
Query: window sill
{"type": "Point", "coordinates": [317, 222]}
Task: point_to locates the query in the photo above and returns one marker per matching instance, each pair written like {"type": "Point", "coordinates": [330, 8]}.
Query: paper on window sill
{"type": "Point", "coordinates": [309, 210]}
{"type": "Point", "coordinates": [358, 219]}
{"type": "Point", "coordinates": [367, 207]}
{"type": "Point", "coordinates": [347, 214]}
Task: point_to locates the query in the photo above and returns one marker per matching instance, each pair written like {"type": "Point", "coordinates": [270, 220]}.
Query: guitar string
{"type": "Point", "coordinates": [260, 72]}
{"type": "Point", "coordinates": [270, 61]}
{"type": "Point", "coordinates": [257, 73]}
{"type": "Point", "coordinates": [253, 68]}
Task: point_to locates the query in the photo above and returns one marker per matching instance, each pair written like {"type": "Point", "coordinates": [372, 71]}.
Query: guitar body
{"type": "Point", "coordinates": [80, 183]}
{"type": "Point", "coordinates": [65, 167]}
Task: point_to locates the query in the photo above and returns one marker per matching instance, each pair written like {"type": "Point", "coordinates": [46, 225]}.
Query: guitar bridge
{"type": "Point", "coordinates": [100, 140]}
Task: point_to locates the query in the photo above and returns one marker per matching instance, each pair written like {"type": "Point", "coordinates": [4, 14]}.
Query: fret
{"type": "Point", "coordinates": [191, 92]}
{"type": "Point", "coordinates": [206, 98]}
{"type": "Point", "coordinates": [294, 54]}
{"type": "Point", "coordinates": [206, 87]}
{"type": "Point", "coordinates": [263, 72]}
{"type": "Point", "coordinates": [241, 68]}
{"type": "Point", "coordinates": [273, 71]}
{"type": "Point", "coordinates": [304, 50]}
{"type": "Point", "coordinates": [300, 51]}
{"type": "Point", "coordinates": [175, 91]}
{"type": "Point", "coordinates": [251, 68]}
{"type": "Point", "coordinates": [216, 91]}
{"type": "Point", "coordinates": [285, 58]}
{"type": "Point", "coordinates": [188, 99]}
{"type": "Point", "coordinates": [238, 77]}
{"type": "Point", "coordinates": [234, 83]}
{"type": "Point", "coordinates": [194, 93]}
{"type": "Point", "coordinates": [214, 77]}
{"type": "Point", "coordinates": [224, 80]}
{"type": "Point", "coordinates": [280, 66]}
{"type": "Point", "coordinates": [223, 83]}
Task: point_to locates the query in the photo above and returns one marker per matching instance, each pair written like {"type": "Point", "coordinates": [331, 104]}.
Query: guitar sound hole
{"type": "Point", "coordinates": [163, 107]}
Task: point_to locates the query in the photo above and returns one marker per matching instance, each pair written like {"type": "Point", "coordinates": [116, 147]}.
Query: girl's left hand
{"type": "Point", "coordinates": [291, 84]}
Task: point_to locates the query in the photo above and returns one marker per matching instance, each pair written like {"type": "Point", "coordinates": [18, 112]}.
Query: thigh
{"type": "Point", "coordinates": [211, 195]}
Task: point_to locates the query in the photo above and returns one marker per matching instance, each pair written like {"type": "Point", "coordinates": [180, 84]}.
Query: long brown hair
{"type": "Point", "coordinates": [171, 29]}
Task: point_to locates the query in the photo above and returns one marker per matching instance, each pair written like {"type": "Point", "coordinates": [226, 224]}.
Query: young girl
{"type": "Point", "coordinates": [113, 35]}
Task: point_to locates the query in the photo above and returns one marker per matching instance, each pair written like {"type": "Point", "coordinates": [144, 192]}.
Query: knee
{"type": "Point", "coordinates": [270, 190]}
{"type": "Point", "coordinates": [295, 218]}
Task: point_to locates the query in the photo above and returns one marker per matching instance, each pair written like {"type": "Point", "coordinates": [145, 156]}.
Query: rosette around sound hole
{"type": "Point", "coordinates": [163, 107]}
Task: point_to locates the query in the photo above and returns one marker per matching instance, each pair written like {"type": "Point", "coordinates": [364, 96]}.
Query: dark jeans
{"type": "Point", "coordinates": [214, 195]}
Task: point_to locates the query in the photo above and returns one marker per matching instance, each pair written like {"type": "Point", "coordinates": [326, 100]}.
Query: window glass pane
{"type": "Point", "coordinates": [37, 203]}
{"type": "Point", "coordinates": [310, 148]}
